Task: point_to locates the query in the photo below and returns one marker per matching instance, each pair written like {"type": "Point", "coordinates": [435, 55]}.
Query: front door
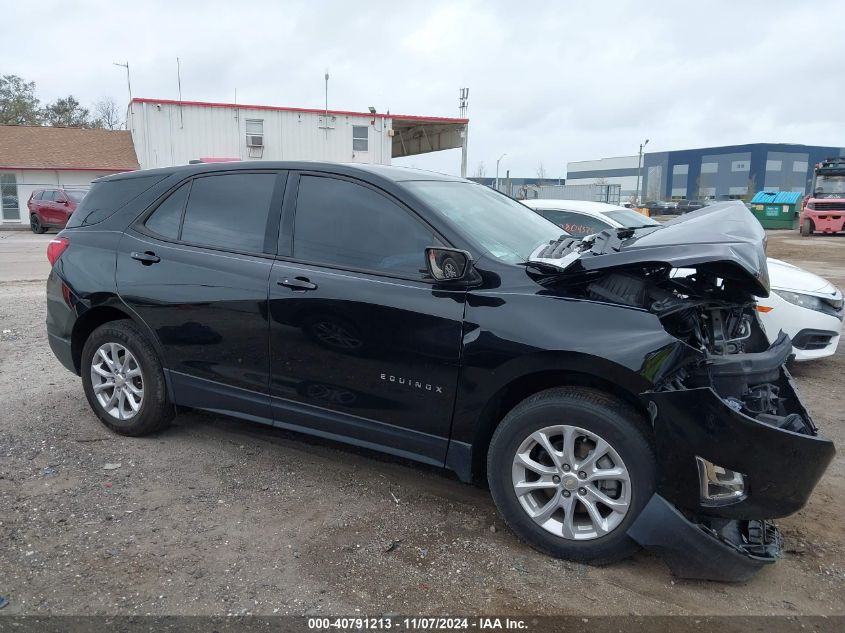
{"type": "Point", "coordinates": [196, 271]}
{"type": "Point", "coordinates": [362, 347]}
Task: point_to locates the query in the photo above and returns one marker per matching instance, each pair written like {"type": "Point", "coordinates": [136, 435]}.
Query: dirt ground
{"type": "Point", "coordinates": [218, 516]}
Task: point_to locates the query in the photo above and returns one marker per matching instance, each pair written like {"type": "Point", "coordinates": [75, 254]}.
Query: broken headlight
{"type": "Point", "coordinates": [719, 486]}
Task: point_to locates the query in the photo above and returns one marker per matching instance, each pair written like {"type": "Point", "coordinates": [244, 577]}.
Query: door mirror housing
{"type": "Point", "coordinates": [448, 264]}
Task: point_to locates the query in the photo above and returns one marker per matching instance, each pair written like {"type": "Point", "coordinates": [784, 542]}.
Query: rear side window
{"type": "Point", "coordinates": [166, 219]}
{"type": "Point", "coordinates": [106, 197]}
{"type": "Point", "coordinates": [49, 195]}
{"type": "Point", "coordinates": [229, 211]}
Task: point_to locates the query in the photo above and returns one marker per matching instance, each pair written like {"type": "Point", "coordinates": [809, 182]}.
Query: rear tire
{"type": "Point", "coordinates": [124, 381]}
{"type": "Point", "coordinates": [612, 460]}
{"type": "Point", "coordinates": [35, 225]}
{"type": "Point", "coordinates": [807, 227]}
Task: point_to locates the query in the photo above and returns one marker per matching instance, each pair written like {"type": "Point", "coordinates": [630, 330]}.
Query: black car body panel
{"type": "Point", "coordinates": [426, 370]}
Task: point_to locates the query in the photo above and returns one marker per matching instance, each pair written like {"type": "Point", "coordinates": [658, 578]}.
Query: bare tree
{"type": "Point", "coordinates": [541, 174]}
{"type": "Point", "coordinates": [106, 115]}
{"type": "Point", "coordinates": [601, 181]}
{"type": "Point", "coordinates": [481, 170]}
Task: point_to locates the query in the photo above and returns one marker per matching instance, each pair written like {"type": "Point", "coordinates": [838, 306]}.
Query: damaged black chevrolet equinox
{"type": "Point", "coordinates": [615, 391]}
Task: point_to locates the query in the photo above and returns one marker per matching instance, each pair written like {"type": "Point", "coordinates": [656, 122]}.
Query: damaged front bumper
{"type": "Point", "coordinates": [777, 459]}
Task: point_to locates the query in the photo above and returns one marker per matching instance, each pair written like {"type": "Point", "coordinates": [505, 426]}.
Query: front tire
{"type": "Point", "coordinates": [124, 381]}
{"type": "Point", "coordinates": [807, 227]}
{"type": "Point", "coordinates": [35, 225]}
{"type": "Point", "coordinates": [570, 469]}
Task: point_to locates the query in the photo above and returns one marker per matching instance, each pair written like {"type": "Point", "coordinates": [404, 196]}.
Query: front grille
{"type": "Point", "coordinates": [830, 206]}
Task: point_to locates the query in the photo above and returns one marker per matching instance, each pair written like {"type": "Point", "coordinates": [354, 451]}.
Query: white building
{"type": "Point", "coordinates": [620, 170]}
{"type": "Point", "coordinates": [35, 157]}
{"type": "Point", "coordinates": [167, 133]}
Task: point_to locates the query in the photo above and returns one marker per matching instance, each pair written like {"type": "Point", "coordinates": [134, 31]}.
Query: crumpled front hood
{"type": "Point", "coordinates": [724, 238]}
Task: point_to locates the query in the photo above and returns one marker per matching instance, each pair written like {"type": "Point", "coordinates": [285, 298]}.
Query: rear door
{"type": "Point", "coordinates": [48, 207]}
{"type": "Point", "coordinates": [363, 348]}
{"type": "Point", "coordinates": [196, 270]}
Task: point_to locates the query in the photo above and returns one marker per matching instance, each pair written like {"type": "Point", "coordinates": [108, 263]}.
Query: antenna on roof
{"type": "Point", "coordinates": [326, 120]}
{"type": "Point", "coordinates": [179, 83]}
{"type": "Point", "coordinates": [463, 102]}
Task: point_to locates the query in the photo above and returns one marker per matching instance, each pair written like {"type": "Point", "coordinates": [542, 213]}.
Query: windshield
{"type": "Point", "coordinates": [630, 219]}
{"type": "Point", "coordinates": [506, 229]}
{"type": "Point", "coordinates": [75, 194]}
{"type": "Point", "coordinates": [829, 187]}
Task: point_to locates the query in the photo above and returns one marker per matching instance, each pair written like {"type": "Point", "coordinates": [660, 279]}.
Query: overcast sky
{"type": "Point", "coordinates": [550, 82]}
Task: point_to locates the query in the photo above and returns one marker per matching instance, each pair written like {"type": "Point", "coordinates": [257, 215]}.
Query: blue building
{"type": "Point", "coordinates": [731, 171]}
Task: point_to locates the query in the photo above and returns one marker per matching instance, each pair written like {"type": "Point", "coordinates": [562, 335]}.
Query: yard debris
{"type": "Point", "coordinates": [394, 497]}
{"type": "Point", "coordinates": [112, 466]}
{"type": "Point", "coordinates": [3, 601]}
{"type": "Point", "coordinates": [394, 544]}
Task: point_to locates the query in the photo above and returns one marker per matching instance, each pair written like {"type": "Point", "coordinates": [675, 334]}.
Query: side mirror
{"type": "Point", "coordinates": [447, 264]}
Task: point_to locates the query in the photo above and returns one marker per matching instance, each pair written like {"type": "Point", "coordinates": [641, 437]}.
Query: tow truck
{"type": "Point", "coordinates": [824, 209]}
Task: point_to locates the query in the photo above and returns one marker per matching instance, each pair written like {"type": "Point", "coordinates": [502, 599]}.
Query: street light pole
{"type": "Point", "coordinates": [497, 170]}
{"type": "Point", "coordinates": [640, 169]}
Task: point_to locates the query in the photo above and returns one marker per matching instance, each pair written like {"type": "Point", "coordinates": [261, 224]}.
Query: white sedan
{"type": "Point", "coordinates": [805, 306]}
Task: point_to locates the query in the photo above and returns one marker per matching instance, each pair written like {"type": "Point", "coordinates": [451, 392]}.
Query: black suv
{"type": "Point", "coordinates": [607, 400]}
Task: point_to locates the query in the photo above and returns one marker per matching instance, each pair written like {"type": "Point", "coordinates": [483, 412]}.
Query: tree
{"type": "Point", "coordinates": [106, 115]}
{"type": "Point", "coordinates": [66, 112]}
{"type": "Point", "coordinates": [481, 170]}
{"type": "Point", "coordinates": [541, 174]}
{"type": "Point", "coordinates": [18, 103]}
{"type": "Point", "coordinates": [750, 189]}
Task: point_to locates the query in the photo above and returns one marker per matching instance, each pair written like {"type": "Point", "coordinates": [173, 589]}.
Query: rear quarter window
{"type": "Point", "coordinates": [106, 197]}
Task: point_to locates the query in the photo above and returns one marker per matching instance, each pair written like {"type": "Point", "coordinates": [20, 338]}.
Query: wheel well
{"type": "Point", "coordinates": [86, 324]}
{"type": "Point", "coordinates": [515, 392]}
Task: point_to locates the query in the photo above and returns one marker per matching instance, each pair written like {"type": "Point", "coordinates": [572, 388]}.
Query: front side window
{"type": "Point", "coordinates": [360, 138]}
{"type": "Point", "coordinates": [504, 228]}
{"type": "Point", "coordinates": [229, 211]}
{"type": "Point", "coordinates": [576, 224]}
{"type": "Point", "coordinates": [344, 224]}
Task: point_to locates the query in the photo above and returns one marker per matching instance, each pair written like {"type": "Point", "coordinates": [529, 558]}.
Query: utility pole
{"type": "Point", "coordinates": [128, 85]}
{"type": "Point", "coordinates": [497, 170]}
{"type": "Point", "coordinates": [463, 103]}
{"type": "Point", "coordinates": [179, 82]}
{"type": "Point", "coordinates": [640, 169]}
{"type": "Point", "coordinates": [326, 119]}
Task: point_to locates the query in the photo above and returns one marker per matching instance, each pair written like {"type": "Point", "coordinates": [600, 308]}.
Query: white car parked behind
{"type": "Point", "coordinates": [805, 306]}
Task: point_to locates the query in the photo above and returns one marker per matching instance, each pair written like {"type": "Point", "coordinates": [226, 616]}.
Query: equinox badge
{"type": "Point", "coordinates": [413, 384]}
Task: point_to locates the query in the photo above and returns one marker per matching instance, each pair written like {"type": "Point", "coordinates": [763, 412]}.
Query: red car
{"type": "Point", "coordinates": [51, 208]}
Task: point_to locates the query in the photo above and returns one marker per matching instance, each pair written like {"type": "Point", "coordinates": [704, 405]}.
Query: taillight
{"type": "Point", "coordinates": [55, 249]}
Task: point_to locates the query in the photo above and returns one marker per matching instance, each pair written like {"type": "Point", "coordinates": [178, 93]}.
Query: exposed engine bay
{"type": "Point", "coordinates": [707, 310]}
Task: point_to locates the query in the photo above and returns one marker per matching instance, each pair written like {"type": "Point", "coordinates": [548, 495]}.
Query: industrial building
{"type": "Point", "coordinates": [167, 132]}
{"type": "Point", "coordinates": [730, 171]}
{"type": "Point", "coordinates": [36, 157]}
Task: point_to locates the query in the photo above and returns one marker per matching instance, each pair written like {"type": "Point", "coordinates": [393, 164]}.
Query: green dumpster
{"type": "Point", "coordinates": [777, 209]}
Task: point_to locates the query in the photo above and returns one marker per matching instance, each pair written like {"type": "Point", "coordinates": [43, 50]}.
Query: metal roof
{"type": "Point", "coordinates": [776, 197]}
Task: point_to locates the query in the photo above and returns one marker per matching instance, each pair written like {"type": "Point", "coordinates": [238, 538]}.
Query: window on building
{"type": "Point", "coordinates": [709, 168]}
{"type": "Point", "coordinates": [166, 219]}
{"type": "Point", "coordinates": [707, 192]}
{"type": "Point", "coordinates": [255, 132]}
{"type": "Point", "coordinates": [738, 191]}
{"type": "Point", "coordinates": [800, 165]}
{"type": "Point", "coordinates": [739, 165]}
{"type": "Point", "coordinates": [679, 192]}
{"type": "Point", "coordinates": [229, 211]}
{"type": "Point", "coordinates": [774, 165]}
{"type": "Point", "coordinates": [360, 138]}
{"type": "Point", "coordinates": [341, 223]}
{"type": "Point", "coordinates": [9, 191]}
{"type": "Point", "coordinates": [680, 170]}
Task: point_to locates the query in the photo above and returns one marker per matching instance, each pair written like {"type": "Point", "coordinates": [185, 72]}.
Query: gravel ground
{"type": "Point", "coordinates": [217, 516]}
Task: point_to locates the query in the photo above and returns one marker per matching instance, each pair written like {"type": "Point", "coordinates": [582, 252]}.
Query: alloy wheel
{"type": "Point", "coordinates": [117, 381]}
{"type": "Point", "coordinates": [571, 482]}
